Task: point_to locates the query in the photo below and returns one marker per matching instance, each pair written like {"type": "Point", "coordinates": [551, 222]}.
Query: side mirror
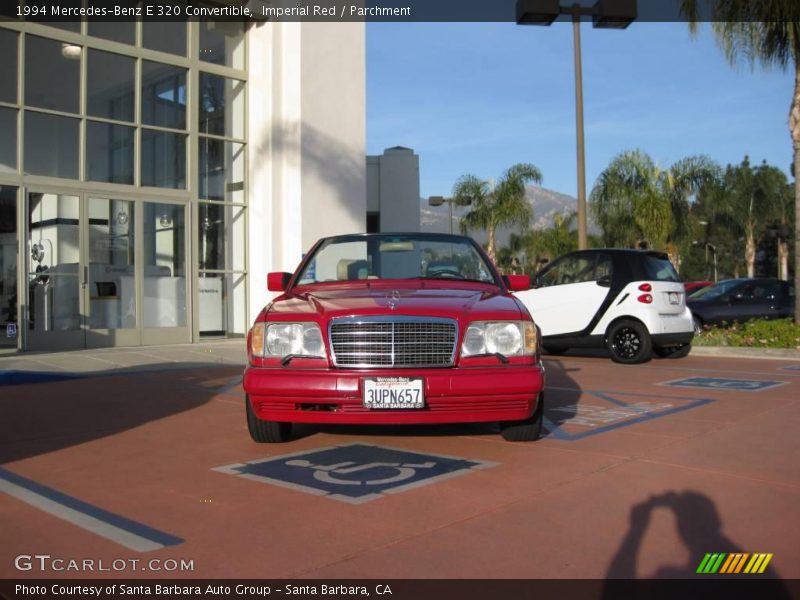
{"type": "Point", "coordinates": [518, 283]}
{"type": "Point", "coordinates": [277, 282]}
{"type": "Point", "coordinates": [604, 281]}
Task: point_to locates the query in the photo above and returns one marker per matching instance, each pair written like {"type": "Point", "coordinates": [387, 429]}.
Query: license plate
{"type": "Point", "coordinates": [674, 298]}
{"type": "Point", "coordinates": [382, 393]}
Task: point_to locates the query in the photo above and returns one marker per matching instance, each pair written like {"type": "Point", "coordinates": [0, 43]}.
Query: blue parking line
{"type": "Point", "coordinates": [114, 527]}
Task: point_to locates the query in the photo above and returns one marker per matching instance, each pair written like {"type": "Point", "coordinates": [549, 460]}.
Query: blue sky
{"type": "Point", "coordinates": [479, 97]}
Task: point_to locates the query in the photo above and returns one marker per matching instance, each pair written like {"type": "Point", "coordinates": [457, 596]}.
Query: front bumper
{"type": "Point", "coordinates": [453, 395]}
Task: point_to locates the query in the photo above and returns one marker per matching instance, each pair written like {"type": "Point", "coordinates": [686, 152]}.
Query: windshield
{"type": "Point", "coordinates": [359, 257]}
{"type": "Point", "coordinates": [714, 291]}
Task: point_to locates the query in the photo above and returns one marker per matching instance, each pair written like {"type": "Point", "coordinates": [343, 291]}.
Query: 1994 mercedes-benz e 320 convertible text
{"type": "Point", "coordinates": [394, 329]}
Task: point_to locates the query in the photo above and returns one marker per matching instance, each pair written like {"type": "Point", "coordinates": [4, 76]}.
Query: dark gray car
{"type": "Point", "coordinates": [739, 300]}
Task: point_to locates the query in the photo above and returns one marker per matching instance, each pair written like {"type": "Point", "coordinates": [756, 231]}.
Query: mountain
{"type": "Point", "coordinates": [546, 204]}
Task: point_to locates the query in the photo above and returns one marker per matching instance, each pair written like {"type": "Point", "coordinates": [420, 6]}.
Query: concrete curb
{"type": "Point", "coordinates": [743, 352]}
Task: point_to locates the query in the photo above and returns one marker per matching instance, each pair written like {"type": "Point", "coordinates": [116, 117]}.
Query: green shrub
{"type": "Point", "coordinates": [760, 333]}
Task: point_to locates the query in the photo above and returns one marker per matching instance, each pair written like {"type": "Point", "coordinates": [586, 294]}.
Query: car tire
{"type": "Point", "coordinates": [527, 430]}
{"type": "Point", "coordinates": [699, 326]}
{"type": "Point", "coordinates": [629, 342]}
{"type": "Point", "coordinates": [673, 351]}
{"type": "Point", "coordinates": [266, 432]}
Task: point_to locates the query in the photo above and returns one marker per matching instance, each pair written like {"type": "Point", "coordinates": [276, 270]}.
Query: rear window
{"type": "Point", "coordinates": [659, 269]}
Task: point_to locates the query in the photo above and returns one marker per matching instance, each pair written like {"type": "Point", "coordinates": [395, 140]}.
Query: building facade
{"type": "Point", "coordinates": [153, 173]}
{"type": "Point", "coordinates": [393, 202]}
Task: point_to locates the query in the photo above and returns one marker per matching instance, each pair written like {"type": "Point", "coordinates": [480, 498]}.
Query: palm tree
{"type": "Point", "coordinates": [636, 201]}
{"type": "Point", "coordinates": [765, 31]}
{"type": "Point", "coordinates": [495, 206]}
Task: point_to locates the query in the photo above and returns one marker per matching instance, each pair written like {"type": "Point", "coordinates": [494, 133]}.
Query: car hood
{"type": "Point", "coordinates": [417, 300]}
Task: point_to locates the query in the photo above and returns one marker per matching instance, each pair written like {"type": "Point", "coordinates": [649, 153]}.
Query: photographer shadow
{"type": "Point", "coordinates": [699, 527]}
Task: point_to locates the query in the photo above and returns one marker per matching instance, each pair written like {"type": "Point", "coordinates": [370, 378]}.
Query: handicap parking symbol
{"type": "Point", "coordinates": [354, 473]}
{"type": "Point", "coordinates": [725, 384]}
{"type": "Point", "coordinates": [11, 330]}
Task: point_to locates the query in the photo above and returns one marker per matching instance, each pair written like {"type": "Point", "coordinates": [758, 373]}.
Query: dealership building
{"type": "Point", "coordinates": [153, 173]}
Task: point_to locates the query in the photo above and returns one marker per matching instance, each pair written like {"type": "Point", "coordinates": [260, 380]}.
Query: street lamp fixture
{"type": "Point", "coordinates": [438, 201]}
{"type": "Point", "coordinates": [606, 14]}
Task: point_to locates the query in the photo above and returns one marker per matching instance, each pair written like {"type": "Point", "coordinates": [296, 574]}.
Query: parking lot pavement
{"type": "Point", "coordinates": [643, 471]}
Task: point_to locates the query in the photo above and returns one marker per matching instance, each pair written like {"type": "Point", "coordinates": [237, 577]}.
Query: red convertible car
{"type": "Point", "coordinates": [394, 329]}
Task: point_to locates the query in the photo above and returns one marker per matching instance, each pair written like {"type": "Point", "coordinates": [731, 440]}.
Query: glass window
{"type": "Point", "coordinates": [659, 268]}
{"type": "Point", "coordinates": [8, 140]}
{"type": "Point", "coordinates": [163, 95]}
{"type": "Point", "coordinates": [222, 43]}
{"type": "Point", "coordinates": [164, 265]}
{"type": "Point", "coordinates": [112, 288]}
{"type": "Point", "coordinates": [222, 304]}
{"type": "Point", "coordinates": [109, 153]}
{"type": "Point", "coordinates": [221, 173]}
{"type": "Point", "coordinates": [110, 92]}
{"type": "Point", "coordinates": [163, 159]}
{"type": "Point", "coordinates": [52, 74]}
{"type": "Point", "coordinates": [221, 106]}
{"type": "Point", "coordinates": [221, 237]}
{"type": "Point", "coordinates": [53, 258]}
{"type": "Point", "coordinates": [165, 36]}
{"type": "Point", "coordinates": [8, 66]}
{"type": "Point", "coordinates": [51, 145]}
{"type": "Point", "coordinates": [8, 263]}
{"type": "Point", "coordinates": [115, 31]}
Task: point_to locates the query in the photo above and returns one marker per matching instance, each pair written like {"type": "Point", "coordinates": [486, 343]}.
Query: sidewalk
{"type": "Point", "coordinates": [107, 361]}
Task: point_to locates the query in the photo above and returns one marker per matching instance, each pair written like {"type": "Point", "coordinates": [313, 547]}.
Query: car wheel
{"type": "Point", "coordinates": [629, 342]}
{"type": "Point", "coordinates": [699, 327]}
{"type": "Point", "coordinates": [266, 432]}
{"type": "Point", "coordinates": [527, 430]}
{"type": "Point", "coordinates": [673, 351]}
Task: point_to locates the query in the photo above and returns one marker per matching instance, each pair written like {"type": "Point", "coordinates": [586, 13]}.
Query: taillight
{"type": "Point", "coordinates": [645, 287]}
{"type": "Point", "coordinates": [645, 298]}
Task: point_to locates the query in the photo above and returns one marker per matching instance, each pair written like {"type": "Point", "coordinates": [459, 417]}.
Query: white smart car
{"type": "Point", "coordinates": [629, 301]}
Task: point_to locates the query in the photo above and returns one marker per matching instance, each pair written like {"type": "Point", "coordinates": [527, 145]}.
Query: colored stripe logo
{"type": "Point", "coordinates": [734, 563]}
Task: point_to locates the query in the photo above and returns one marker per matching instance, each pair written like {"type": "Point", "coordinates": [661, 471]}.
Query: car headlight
{"type": "Point", "coordinates": [277, 340]}
{"type": "Point", "coordinates": [509, 338]}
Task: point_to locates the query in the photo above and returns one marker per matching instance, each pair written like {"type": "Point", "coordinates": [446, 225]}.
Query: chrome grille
{"type": "Point", "coordinates": [392, 342]}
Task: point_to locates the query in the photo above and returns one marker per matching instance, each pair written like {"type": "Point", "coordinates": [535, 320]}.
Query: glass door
{"type": "Point", "coordinates": [9, 244]}
{"type": "Point", "coordinates": [110, 290]}
{"type": "Point", "coordinates": [165, 284]}
{"type": "Point", "coordinates": [54, 273]}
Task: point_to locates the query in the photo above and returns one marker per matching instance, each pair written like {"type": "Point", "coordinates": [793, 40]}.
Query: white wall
{"type": "Point", "coordinates": [306, 140]}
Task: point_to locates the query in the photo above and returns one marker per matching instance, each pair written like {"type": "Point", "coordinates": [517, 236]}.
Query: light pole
{"type": "Point", "coordinates": [606, 14]}
{"type": "Point", "coordinates": [438, 201]}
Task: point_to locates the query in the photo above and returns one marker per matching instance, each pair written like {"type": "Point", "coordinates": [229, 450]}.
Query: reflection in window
{"type": "Point", "coordinates": [112, 289]}
{"type": "Point", "coordinates": [221, 106]}
{"type": "Point", "coordinates": [163, 159]}
{"type": "Point", "coordinates": [165, 36]}
{"type": "Point", "coordinates": [163, 95]}
{"type": "Point", "coordinates": [222, 304]}
{"type": "Point", "coordinates": [221, 173]}
{"type": "Point", "coordinates": [164, 265]}
{"type": "Point", "coordinates": [8, 262]}
{"type": "Point", "coordinates": [221, 235]}
{"type": "Point", "coordinates": [8, 66]}
{"type": "Point", "coordinates": [8, 140]}
{"type": "Point", "coordinates": [53, 258]}
{"type": "Point", "coordinates": [51, 145]}
{"type": "Point", "coordinates": [110, 86]}
{"type": "Point", "coordinates": [109, 153]}
{"type": "Point", "coordinates": [52, 74]}
{"type": "Point", "coordinates": [222, 43]}
{"type": "Point", "coordinates": [123, 32]}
